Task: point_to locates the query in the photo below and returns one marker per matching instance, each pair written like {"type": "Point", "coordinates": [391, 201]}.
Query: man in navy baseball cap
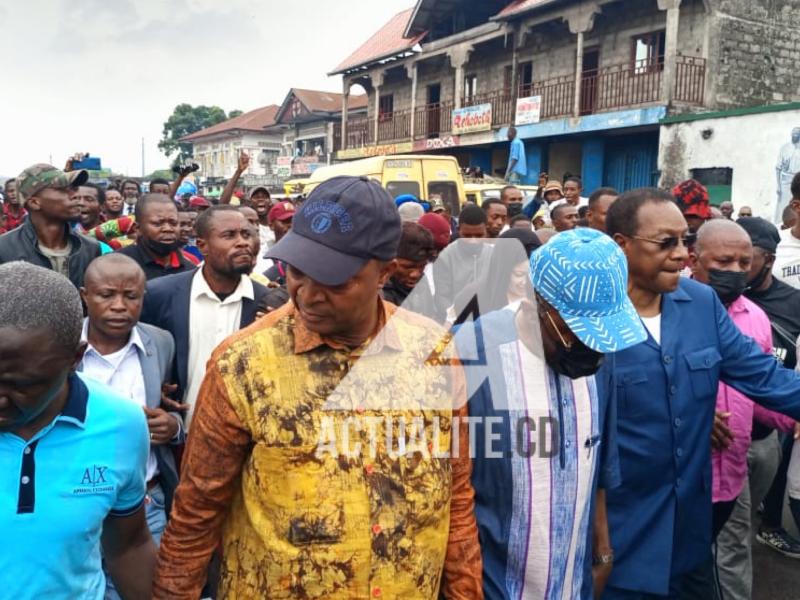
{"type": "Point", "coordinates": [344, 223]}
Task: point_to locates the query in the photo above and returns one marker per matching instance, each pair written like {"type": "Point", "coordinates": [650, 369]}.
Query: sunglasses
{"type": "Point", "coordinates": [672, 242]}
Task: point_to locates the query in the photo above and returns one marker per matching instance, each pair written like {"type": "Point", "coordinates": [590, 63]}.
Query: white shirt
{"type": "Point", "coordinates": [787, 260]}
{"type": "Point", "coordinates": [550, 503]}
{"type": "Point", "coordinates": [653, 325]}
{"type": "Point", "coordinates": [267, 238]}
{"type": "Point", "coordinates": [122, 372]}
{"type": "Point", "coordinates": [210, 322]}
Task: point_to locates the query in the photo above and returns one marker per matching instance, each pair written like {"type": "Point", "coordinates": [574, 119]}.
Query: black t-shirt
{"type": "Point", "coordinates": [175, 263]}
{"type": "Point", "coordinates": [781, 302]}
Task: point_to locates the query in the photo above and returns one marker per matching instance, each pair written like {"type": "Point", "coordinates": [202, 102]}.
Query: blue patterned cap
{"type": "Point", "coordinates": [583, 274]}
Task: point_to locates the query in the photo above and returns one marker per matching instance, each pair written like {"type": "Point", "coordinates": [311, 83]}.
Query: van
{"type": "Point", "coordinates": [478, 191]}
{"type": "Point", "coordinates": [294, 186]}
{"type": "Point", "coordinates": [421, 175]}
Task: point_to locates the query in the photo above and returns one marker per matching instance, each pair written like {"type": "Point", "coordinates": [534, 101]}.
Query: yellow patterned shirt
{"type": "Point", "coordinates": [295, 462]}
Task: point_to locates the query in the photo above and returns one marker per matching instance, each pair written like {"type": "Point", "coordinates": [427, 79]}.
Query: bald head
{"type": "Point", "coordinates": [722, 246]}
{"type": "Point", "coordinates": [112, 266]}
{"type": "Point", "coordinates": [718, 231]}
{"type": "Point", "coordinates": [113, 293]}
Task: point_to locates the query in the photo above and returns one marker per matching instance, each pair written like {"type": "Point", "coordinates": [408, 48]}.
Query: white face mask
{"type": "Point", "coordinates": [514, 306]}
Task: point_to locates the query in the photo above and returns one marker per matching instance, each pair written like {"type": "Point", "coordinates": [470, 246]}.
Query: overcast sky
{"type": "Point", "coordinates": [98, 75]}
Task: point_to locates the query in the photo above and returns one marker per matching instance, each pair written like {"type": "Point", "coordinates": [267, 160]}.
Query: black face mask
{"type": "Point", "coordinates": [161, 248]}
{"type": "Point", "coordinates": [577, 361]}
{"type": "Point", "coordinates": [729, 285]}
{"type": "Point", "coordinates": [514, 208]}
{"type": "Point", "coordinates": [759, 279]}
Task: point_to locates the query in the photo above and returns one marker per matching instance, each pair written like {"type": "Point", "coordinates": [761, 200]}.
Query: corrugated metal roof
{"type": "Point", "coordinates": [522, 6]}
{"type": "Point", "coordinates": [385, 43]}
{"type": "Point", "coordinates": [317, 101]}
{"type": "Point", "coordinates": [254, 120]}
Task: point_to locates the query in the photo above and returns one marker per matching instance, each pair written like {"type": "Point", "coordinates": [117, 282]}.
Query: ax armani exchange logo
{"type": "Point", "coordinates": [95, 479]}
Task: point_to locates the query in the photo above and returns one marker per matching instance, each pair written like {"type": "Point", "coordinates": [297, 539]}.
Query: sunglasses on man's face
{"type": "Point", "coordinates": [670, 243]}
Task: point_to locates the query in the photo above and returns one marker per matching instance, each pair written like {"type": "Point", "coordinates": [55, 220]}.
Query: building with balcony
{"type": "Point", "coordinates": [587, 83]}
{"type": "Point", "coordinates": [216, 149]}
{"type": "Point", "coordinates": [284, 141]}
{"type": "Point", "coordinates": [305, 121]}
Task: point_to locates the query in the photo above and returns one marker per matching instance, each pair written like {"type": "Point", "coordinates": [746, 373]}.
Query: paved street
{"type": "Point", "coordinates": [775, 577]}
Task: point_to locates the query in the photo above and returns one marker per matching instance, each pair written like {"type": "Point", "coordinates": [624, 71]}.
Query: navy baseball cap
{"type": "Point", "coordinates": [344, 223]}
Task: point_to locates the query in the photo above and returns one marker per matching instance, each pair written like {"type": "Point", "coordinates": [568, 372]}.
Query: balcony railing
{"type": "Point", "coordinates": [432, 120]}
{"type": "Point", "coordinates": [690, 80]}
{"type": "Point", "coordinates": [608, 88]}
{"type": "Point", "coordinates": [618, 86]}
{"type": "Point", "coordinates": [394, 126]}
{"type": "Point", "coordinates": [557, 94]}
{"type": "Point", "coordinates": [504, 105]}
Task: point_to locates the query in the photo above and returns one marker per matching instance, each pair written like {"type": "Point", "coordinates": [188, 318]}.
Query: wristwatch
{"type": "Point", "coordinates": [602, 559]}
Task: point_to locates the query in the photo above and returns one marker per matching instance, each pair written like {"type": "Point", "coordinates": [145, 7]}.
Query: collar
{"type": "Point", "coordinates": [171, 261]}
{"type": "Point", "coordinates": [134, 340]}
{"type": "Point", "coordinates": [740, 305]}
{"type": "Point", "coordinates": [387, 336]}
{"type": "Point", "coordinates": [201, 288]}
{"type": "Point", "coordinates": [74, 410]}
{"type": "Point", "coordinates": [679, 295]}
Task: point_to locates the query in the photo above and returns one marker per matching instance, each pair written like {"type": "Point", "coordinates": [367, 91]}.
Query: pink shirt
{"type": "Point", "coordinates": [729, 467]}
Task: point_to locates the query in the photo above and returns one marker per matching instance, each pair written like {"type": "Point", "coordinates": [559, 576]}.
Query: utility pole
{"type": "Point", "coordinates": [143, 157]}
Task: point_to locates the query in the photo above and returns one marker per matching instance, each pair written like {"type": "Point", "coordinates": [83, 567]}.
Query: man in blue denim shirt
{"type": "Point", "coordinates": [660, 517]}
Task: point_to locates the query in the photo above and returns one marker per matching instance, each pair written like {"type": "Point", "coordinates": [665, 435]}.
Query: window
{"type": "Point", "coordinates": [507, 83]}
{"type": "Point", "coordinates": [470, 87]}
{"type": "Point", "coordinates": [525, 79]}
{"type": "Point", "coordinates": [648, 52]}
{"type": "Point", "coordinates": [385, 107]}
{"type": "Point", "coordinates": [448, 192]}
{"type": "Point", "coordinates": [398, 188]}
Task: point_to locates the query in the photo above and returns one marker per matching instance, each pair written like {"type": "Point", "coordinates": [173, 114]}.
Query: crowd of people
{"type": "Point", "coordinates": [350, 395]}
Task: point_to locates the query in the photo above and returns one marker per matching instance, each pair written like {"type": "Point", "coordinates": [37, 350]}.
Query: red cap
{"type": "Point", "coordinates": [439, 227]}
{"type": "Point", "coordinates": [198, 202]}
{"type": "Point", "coordinates": [282, 211]}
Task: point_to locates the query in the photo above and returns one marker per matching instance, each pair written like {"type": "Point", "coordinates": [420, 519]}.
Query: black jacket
{"type": "Point", "coordinates": [22, 244]}
{"type": "Point", "coordinates": [166, 305]}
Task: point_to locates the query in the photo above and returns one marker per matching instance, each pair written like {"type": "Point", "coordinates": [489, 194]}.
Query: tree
{"type": "Point", "coordinates": [186, 119]}
{"type": "Point", "coordinates": [235, 113]}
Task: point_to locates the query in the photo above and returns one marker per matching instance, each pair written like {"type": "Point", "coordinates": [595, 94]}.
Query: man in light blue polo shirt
{"type": "Point", "coordinates": [517, 168]}
{"type": "Point", "coordinates": [73, 454]}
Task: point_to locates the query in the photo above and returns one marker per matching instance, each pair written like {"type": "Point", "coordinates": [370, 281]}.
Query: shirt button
{"type": "Point", "coordinates": [678, 482]}
{"type": "Point", "coordinates": [376, 592]}
{"type": "Point", "coordinates": [27, 450]}
{"type": "Point", "coordinates": [667, 359]}
{"type": "Point", "coordinates": [679, 452]}
{"type": "Point", "coordinates": [25, 480]}
{"type": "Point", "coordinates": [567, 443]}
{"type": "Point", "coordinates": [369, 469]}
{"type": "Point", "coordinates": [677, 421]}
{"type": "Point", "coordinates": [673, 389]}
{"type": "Point", "coordinates": [376, 529]}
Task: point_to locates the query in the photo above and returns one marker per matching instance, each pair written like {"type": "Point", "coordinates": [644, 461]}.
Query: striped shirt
{"type": "Point", "coordinates": [535, 484]}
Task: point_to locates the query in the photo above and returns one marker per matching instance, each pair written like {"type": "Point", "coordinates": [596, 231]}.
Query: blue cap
{"type": "Point", "coordinates": [344, 223]}
{"type": "Point", "coordinates": [583, 274]}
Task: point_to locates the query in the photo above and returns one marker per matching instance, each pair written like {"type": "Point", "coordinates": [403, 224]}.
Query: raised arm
{"type": "Point", "coordinates": [227, 193]}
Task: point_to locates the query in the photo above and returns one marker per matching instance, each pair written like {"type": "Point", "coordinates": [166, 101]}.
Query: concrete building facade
{"type": "Point", "coordinates": [604, 74]}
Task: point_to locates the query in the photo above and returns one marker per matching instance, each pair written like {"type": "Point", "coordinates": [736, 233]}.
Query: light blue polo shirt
{"type": "Point", "coordinates": [58, 487]}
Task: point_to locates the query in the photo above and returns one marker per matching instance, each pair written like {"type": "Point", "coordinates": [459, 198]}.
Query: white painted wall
{"type": "Point", "coordinates": [749, 144]}
{"type": "Point", "coordinates": [218, 156]}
